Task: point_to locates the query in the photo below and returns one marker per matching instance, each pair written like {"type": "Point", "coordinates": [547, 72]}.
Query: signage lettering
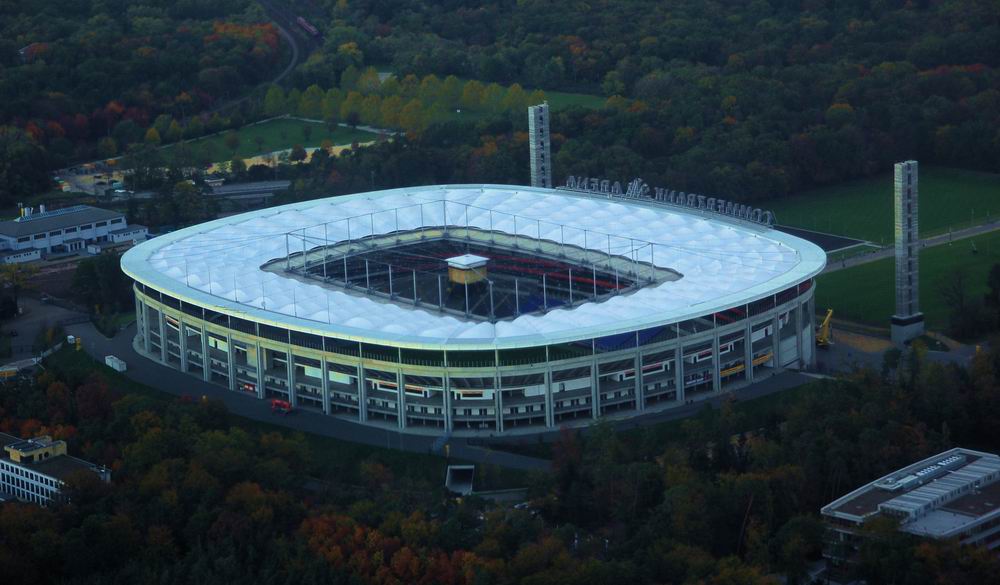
{"type": "Point", "coordinates": [638, 189]}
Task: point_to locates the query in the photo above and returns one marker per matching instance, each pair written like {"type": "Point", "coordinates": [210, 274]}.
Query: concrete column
{"type": "Point", "coordinates": [640, 388]}
{"type": "Point", "coordinates": [679, 371]}
{"type": "Point", "coordinates": [811, 340]}
{"type": "Point", "coordinates": [139, 314]}
{"type": "Point", "coordinates": [798, 335]}
{"type": "Point", "coordinates": [293, 397]}
{"type": "Point", "coordinates": [595, 391]}
{"type": "Point", "coordinates": [776, 342]}
{"type": "Point", "coordinates": [146, 340]}
{"type": "Point", "coordinates": [446, 401]}
{"type": "Point", "coordinates": [550, 414]}
{"type": "Point", "coordinates": [206, 372]}
{"type": "Point", "coordinates": [498, 404]}
{"type": "Point", "coordinates": [716, 365]}
{"type": "Point", "coordinates": [325, 383]}
{"type": "Point", "coordinates": [748, 351]}
{"type": "Point", "coordinates": [163, 337]}
{"type": "Point", "coordinates": [230, 359]}
{"type": "Point", "coordinates": [400, 400]}
{"type": "Point", "coordinates": [261, 366]}
{"type": "Point", "coordinates": [182, 343]}
{"type": "Point", "coordinates": [362, 394]}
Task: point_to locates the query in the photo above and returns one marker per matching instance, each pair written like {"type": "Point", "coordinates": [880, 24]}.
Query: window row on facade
{"type": "Point", "coordinates": [482, 390]}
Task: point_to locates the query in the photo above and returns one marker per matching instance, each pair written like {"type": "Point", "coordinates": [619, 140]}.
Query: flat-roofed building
{"type": "Point", "coordinates": [952, 495]}
{"type": "Point", "coordinates": [66, 231]}
{"type": "Point", "coordinates": [35, 470]}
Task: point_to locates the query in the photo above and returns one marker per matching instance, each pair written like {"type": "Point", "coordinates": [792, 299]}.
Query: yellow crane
{"type": "Point", "coordinates": [824, 337]}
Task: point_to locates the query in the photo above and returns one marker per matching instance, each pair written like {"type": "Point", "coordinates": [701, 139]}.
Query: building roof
{"type": "Point", "coordinates": [59, 467]}
{"type": "Point", "coordinates": [466, 261]}
{"type": "Point", "coordinates": [937, 497]}
{"type": "Point", "coordinates": [723, 262]}
{"type": "Point", "coordinates": [134, 227]}
{"type": "Point", "coordinates": [55, 219]}
{"type": "Point", "coordinates": [258, 188]}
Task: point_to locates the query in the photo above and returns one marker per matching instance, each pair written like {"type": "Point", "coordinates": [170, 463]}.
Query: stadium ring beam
{"type": "Point", "coordinates": [586, 306]}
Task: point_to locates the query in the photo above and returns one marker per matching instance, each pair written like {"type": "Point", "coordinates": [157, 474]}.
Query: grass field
{"type": "Point", "coordinates": [273, 135]}
{"type": "Point", "coordinates": [863, 209]}
{"type": "Point", "coordinates": [559, 100]}
{"type": "Point", "coordinates": [874, 302]}
{"type": "Point", "coordinates": [334, 459]}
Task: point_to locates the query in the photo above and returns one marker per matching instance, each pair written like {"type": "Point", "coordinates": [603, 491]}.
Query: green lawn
{"type": "Point", "coordinates": [866, 293]}
{"type": "Point", "coordinates": [274, 135]}
{"type": "Point", "coordinates": [334, 459]}
{"type": "Point", "coordinates": [559, 100]}
{"type": "Point", "coordinates": [863, 209]}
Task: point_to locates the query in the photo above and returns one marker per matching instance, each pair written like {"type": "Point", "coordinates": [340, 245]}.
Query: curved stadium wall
{"type": "Point", "coordinates": [588, 307]}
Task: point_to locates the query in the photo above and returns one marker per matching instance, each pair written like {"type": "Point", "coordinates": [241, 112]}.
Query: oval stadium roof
{"type": "Point", "coordinates": [723, 262]}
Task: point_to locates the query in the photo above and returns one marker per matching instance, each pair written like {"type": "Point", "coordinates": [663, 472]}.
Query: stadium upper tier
{"type": "Point", "coordinates": [720, 263]}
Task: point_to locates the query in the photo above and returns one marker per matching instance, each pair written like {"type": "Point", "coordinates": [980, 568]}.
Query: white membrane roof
{"type": "Point", "coordinates": [723, 263]}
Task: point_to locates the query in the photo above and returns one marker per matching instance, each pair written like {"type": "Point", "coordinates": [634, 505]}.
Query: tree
{"type": "Point", "coordinates": [274, 101]}
{"type": "Point", "coordinates": [174, 132]}
{"type": "Point", "coordinates": [472, 95]}
{"type": "Point", "coordinates": [238, 167]}
{"type": "Point", "coordinates": [298, 153]}
{"type": "Point", "coordinates": [311, 103]}
{"type": "Point", "coordinates": [152, 136]}
{"type": "Point", "coordinates": [16, 277]}
{"type": "Point", "coordinates": [232, 140]}
{"type": "Point", "coordinates": [107, 147]}
{"type": "Point", "coordinates": [413, 118]}
{"type": "Point", "coordinates": [194, 128]}
{"type": "Point", "coordinates": [23, 165]}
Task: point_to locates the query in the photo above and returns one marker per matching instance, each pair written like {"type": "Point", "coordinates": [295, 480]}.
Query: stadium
{"type": "Point", "coordinates": [477, 308]}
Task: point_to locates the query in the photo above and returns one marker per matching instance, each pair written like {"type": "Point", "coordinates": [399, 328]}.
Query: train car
{"type": "Point", "coordinates": [304, 24]}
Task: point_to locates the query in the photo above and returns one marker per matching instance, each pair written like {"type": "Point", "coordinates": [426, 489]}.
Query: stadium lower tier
{"type": "Point", "coordinates": [510, 390]}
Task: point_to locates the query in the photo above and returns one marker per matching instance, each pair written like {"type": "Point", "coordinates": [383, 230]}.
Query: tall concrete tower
{"type": "Point", "coordinates": [908, 322]}
{"type": "Point", "coordinates": [541, 150]}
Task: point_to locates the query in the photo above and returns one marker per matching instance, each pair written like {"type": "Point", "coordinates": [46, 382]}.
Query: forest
{"type": "Point", "coordinates": [72, 71]}
{"type": "Point", "coordinates": [728, 497]}
{"type": "Point", "coordinates": [752, 100]}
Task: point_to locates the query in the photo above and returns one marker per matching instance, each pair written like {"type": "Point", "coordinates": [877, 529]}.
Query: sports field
{"type": "Point", "coordinates": [865, 293]}
{"type": "Point", "coordinates": [270, 136]}
{"type": "Point", "coordinates": [863, 209]}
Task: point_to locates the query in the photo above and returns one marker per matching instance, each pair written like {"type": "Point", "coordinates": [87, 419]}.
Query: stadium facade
{"type": "Point", "coordinates": [477, 308]}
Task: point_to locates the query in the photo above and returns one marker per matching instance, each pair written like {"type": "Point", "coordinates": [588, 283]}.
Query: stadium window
{"type": "Point", "coordinates": [565, 351]}
{"type": "Point", "coordinates": [101, 224]}
{"type": "Point", "coordinates": [341, 346]}
{"type": "Point", "coordinates": [471, 359]}
{"type": "Point", "coordinates": [307, 340]}
{"type": "Point", "coordinates": [422, 357]}
{"type": "Point", "coordinates": [55, 233]}
{"type": "Point", "coordinates": [86, 226]}
{"type": "Point", "coordinates": [383, 353]}
{"type": "Point", "coordinates": [39, 236]}
{"type": "Point", "coordinates": [273, 333]}
{"type": "Point", "coordinates": [71, 230]}
{"type": "Point", "coordinates": [116, 220]}
{"type": "Point", "coordinates": [24, 239]}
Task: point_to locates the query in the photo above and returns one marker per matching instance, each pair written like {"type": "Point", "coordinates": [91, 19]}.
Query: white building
{"type": "Point", "coordinates": [35, 470]}
{"type": "Point", "coordinates": [952, 495]}
{"type": "Point", "coordinates": [65, 231]}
